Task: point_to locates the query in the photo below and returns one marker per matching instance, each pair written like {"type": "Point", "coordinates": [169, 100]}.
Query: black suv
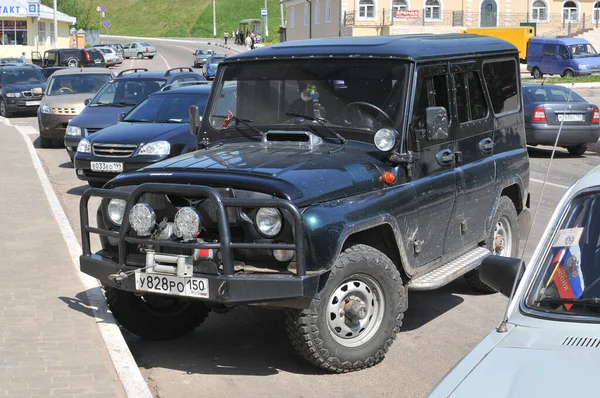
{"type": "Point", "coordinates": [125, 91]}
{"type": "Point", "coordinates": [350, 172]}
{"type": "Point", "coordinates": [21, 89]}
{"type": "Point", "coordinates": [70, 57]}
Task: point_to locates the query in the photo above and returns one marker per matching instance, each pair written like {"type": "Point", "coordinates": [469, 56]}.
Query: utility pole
{"type": "Point", "coordinates": [55, 33]}
{"type": "Point", "coordinates": [266, 21]}
{"type": "Point", "coordinates": [214, 20]}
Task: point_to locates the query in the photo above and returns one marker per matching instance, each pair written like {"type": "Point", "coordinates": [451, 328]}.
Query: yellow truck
{"type": "Point", "coordinates": [519, 36]}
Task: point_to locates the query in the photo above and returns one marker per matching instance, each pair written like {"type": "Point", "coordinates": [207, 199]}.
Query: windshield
{"type": "Point", "coordinates": [167, 108]}
{"type": "Point", "coordinates": [583, 51]}
{"type": "Point", "coordinates": [77, 84]}
{"type": "Point", "coordinates": [569, 281]}
{"type": "Point", "coordinates": [126, 92]}
{"type": "Point", "coordinates": [145, 44]}
{"type": "Point", "coordinates": [356, 94]}
{"type": "Point", "coordinates": [22, 76]}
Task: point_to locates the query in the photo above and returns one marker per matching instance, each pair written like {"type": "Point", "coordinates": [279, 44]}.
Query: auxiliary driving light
{"type": "Point", "coordinates": [187, 223]}
{"type": "Point", "coordinates": [283, 255]}
{"type": "Point", "coordinates": [142, 219]}
{"type": "Point", "coordinates": [116, 210]}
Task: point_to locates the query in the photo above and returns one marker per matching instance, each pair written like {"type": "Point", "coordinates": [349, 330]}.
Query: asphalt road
{"type": "Point", "coordinates": [246, 353]}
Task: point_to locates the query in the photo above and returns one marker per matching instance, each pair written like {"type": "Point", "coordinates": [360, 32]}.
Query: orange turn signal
{"type": "Point", "coordinates": [389, 177]}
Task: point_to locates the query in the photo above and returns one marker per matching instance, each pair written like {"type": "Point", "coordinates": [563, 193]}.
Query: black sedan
{"type": "Point", "coordinates": [156, 129]}
{"type": "Point", "coordinates": [548, 106]}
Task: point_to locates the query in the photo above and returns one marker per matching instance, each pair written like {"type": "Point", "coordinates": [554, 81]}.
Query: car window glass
{"type": "Point", "coordinates": [22, 76]}
{"type": "Point", "coordinates": [563, 52]}
{"type": "Point", "coordinates": [77, 83]}
{"type": "Point", "coordinates": [502, 85]}
{"type": "Point", "coordinates": [127, 91]}
{"type": "Point", "coordinates": [144, 44]}
{"type": "Point", "coordinates": [548, 50]}
{"type": "Point", "coordinates": [172, 108]}
{"type": "Point", "coordinates": [470, 99]}
{"type": "Point", "coordinates": [431, 91]}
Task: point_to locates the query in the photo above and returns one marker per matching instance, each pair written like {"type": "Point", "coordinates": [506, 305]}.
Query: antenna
{"type": "Point", "coordinates": [502, 327]}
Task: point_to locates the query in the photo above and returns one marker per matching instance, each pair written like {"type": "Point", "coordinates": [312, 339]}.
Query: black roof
{"type": "Point", "coordinates": [414, 47]}
{"type": "Point", "coordinates": [191, 89]}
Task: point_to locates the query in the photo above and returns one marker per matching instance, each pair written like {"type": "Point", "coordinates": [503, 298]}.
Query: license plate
{"type": "Point", "coordinates": [172, 285]}
{"type": "Point", "coordinates": [96, 61]}
{"type": "Point", "coordinates": [570, 117]}
{"type": "Point", "coordinates": [109, 167]}
{"type": "Point", "coordinates": [32, 103]}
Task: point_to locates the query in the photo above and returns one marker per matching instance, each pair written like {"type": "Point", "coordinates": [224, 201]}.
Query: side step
{"type": "Point", "coordinates": [447, 273]}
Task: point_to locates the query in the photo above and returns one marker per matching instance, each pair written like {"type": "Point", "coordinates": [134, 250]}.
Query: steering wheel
{"type": "Point", "coordinates": [64, 90]}
{"type": "Point", "coordinates": [357, 104]}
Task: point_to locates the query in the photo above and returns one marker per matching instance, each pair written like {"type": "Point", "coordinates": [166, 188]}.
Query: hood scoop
{"type": "Point", "coordinates": [302, 139]}
{"type": "Point", "coordinates": [582, 342]}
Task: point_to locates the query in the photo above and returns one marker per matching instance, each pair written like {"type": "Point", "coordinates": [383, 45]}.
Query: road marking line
{"type": "Point", "coordinates": [133, 383]}
{"type": "Point", "coordinates": [191, 41]}
{"type": "Point", "coordinates": [549, 183]}
{"type": "Point", "coordinates": [29, 130]}
{"type": "Point", "coordinates": [163, 58]}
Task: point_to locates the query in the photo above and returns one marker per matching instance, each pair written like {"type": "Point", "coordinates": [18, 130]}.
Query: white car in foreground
{"type": "Point", "coordinates": [549, 344]}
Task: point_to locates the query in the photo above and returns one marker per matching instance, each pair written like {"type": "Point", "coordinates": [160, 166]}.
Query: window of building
{"type": "Point", "coordinates": [597, 11]}
{"type": "Point", "coordinates": [292, 18]}
{"type": "Point", "coordinates": [539, 11]}
{"type": "Point", "coordinates": [13, 33]}
{"type": "Point", "coordinates": [398, 5]}
{"type": "Point", "coordinates": [328, 11]}
{"type": "Point", "coordinates": [306, 15]}
{"type": "Point", "coordinates": [366, 9]}
{"type": "Point", "coordinates": [570, 11]}
{"type": "Point", "coordinates": [470, 100]}
{"type": "Point", "coordinates": [502, 85]}
{"type": "Point", "coordinates": [317, 12]}
{"type": "Point", "coordinates": [433, 10]}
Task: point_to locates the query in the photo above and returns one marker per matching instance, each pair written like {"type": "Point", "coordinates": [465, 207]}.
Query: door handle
{"type": "Point", "coordinates": [486, 145]}
{"type": "Point", "coordinates": [445, 157]}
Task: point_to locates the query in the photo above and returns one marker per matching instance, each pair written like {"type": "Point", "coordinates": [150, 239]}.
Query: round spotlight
{"type": "Point", "coordinates": [187, 223]}
{"type": "Point", "coordinates": [283, 255]}
{"type": "Point", "coordinates": [268, 221]}
{"type": "Point", "coordinates": [385, 139]}
{"type": "Point", "coordinates": [116, 210]}
{"type": "Point", "coordinates": [142, 219]}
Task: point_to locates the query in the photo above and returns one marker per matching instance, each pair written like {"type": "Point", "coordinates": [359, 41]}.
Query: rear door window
{"type": "Point", "coordinates": [470, 99]}
{"type": "Point", "coordinates": [502, 85]}
{"type": "Point", "coordinates": [548, 50]}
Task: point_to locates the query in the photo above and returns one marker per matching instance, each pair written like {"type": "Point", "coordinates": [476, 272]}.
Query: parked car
{"type": "Point", "coordinates": [71, 57]}
{"type": "Point", "coordinates": [156, 129]}
{"type": "Point", "coordinates": [552, 320]}
{"type": "Point", "coordinates": [201, 55]}
{"type": "Point", "coordinates": [341, 178]}
{"type": "Point", "coordinates": [64, 99]}
{"type": "Point", "coordinates": [116, 46]}
{"type": "Point", "coordinates": [210, 66]}
{"type": "Point", "coordinates": [110, 56]}
{"type": "Point", "coordinates": [550, 108]}
{"type": "Point", "coordinates": [21, 89]}
{"type": "Point", "coordinates": [47, 72]}
{"type": "Point", "coordinates": [11, 60]}
{"type": "Point", "coordinates": [565, 56]}
{"type": "Point", "coordinates": [125, 91]}
{"type": "Point", "coordinates": [139, 49]}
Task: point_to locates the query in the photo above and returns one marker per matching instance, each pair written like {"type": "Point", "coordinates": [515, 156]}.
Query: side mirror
{"type": "Point", "coordinates": [500, 272]}
{"type": "Point", "coordinates": [121, 116]}
{"type": "Point", "coordinates": [87, 101]}
{"type": "Point", "coordinates": [195, 120]}
{"type": "Point", "coordinates": [437, 123]}
{"type": "Point", "coordinates": [37, 91]}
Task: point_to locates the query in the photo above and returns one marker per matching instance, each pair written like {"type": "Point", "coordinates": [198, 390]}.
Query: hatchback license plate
{"type": "Point", "coordinates": [108, 167]}
{"type": "Point", "coordinates": [172, 285]}
{"type": "Point", "coordinates": [573, 117]}
{"type": "Point", "coordinates": [32, 103]}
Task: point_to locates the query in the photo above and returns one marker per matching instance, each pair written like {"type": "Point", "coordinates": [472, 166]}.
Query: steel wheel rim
{"type": "Point", "coordinates": [503, 237]}
{"type": "Point", "coordinates": [366, 293]}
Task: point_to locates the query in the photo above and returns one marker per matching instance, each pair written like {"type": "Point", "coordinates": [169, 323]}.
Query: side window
{"type": "Point", "coordinates": [502, 85]}
{"type": "Point", "coordinates": [548, 50]}
{"type": "Point", "coordinates": [563, 52]}
{"type": "Point", "coordinates": [431, 91]}
{"type": "Point", "coordinates": [470, 100]}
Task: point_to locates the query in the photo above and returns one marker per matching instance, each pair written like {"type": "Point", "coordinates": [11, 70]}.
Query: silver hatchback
{"type": "Point", "coordinates": [139, 49]}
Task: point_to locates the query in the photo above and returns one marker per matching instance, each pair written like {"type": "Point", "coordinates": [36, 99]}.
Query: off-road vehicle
{"type": "Point", "coordinates": [348, 172]}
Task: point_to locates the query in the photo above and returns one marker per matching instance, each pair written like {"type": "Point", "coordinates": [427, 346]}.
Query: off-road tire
{"type": "Point", "coordinates": [134, 314]}
{"type": "Point", "coordinates": [308, 329]}
{"type": "Point", "coordinates": [140, 56]}
{"type": "Point", "coordinates": [537, 73]}
{"type": "Point", "coordinates": [46, 142]}
{"type": "Point", "coordinates": [505, 208]}
{"type": "Point", "coordinates": [577, 150]}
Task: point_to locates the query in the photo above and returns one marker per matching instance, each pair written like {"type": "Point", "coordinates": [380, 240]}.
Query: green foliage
{"type": "Point", "coordinates": [79, 9]}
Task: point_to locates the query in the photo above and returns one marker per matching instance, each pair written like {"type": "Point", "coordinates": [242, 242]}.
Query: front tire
{"type": "Point", "coordinates": [568, 73]}
{"type": "Point", "coordinates": [537, 73]}
{"type": "Point", "coordinates": [151, 56]}
{"type": "Point", "coordinates": [4, 112]}
{"type": "Point", "coordinates": [354, 319]}
{"type": "Point", "coordinates": [503, 240]}
{"type": "Point", "coordinates": [154, 317]}
{"type": "Point", "coordinates": [577, 150]}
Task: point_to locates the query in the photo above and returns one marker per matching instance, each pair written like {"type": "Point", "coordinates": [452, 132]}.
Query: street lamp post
{"type": "Point", "coordinates": [214, 20]}
{"type": "Point", "coordinates": [55, 33]}
{"type": "Point", "coordinates": [309, 18]}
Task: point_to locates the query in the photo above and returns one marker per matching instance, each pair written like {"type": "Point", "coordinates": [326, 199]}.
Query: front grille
{"type": "Point", "coordinates": [114, 150]}
{"type": "Point", "coordinates": [64, 111]}
{"type": "Point", "coordinates": [29, 95]}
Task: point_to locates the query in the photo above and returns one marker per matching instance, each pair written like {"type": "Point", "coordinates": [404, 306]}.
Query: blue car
{"type": "Point", "coordinates": [210, 67]}
{"type": "Point", "coordinates": [562, 56]}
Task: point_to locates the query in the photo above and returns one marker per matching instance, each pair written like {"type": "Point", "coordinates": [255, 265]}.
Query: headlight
{"type": "Point", "coordinates": [142, 219]}
{"type": "Point", "coordinates": [73, 130]}
{"type": "Point", "coordinates": [116, 210]}
{"type": "Point", "coordinates": [13, 95]}
{"type": "Point", "coordinates": [385, 139]}
{"type": "Point", "coordinates": [156, 148]}
{"type": "Point", "coordinates": [268, 221]}
{"type": "Point", "coordinates": [187, 223]}
{"type": "Point", "coordinates": [84, 146]}
{"type": "Point", "coordinates": [583, 67]}
{"type": "Point", "coordinates": [45, 109]}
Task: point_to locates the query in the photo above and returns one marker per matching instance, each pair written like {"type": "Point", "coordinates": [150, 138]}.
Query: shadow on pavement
{"type": "Point", "coordinates": [542, 153]}
{"type": "Point", "coordinates": [66, 165]}
{"type": "Point", "coordinates": [80, 303]}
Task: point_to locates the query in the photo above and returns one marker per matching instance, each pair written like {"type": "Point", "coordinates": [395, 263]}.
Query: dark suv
{"type": "Point", "coordinates": [349, 172]}
{"type": "Point", "coordinates": [71, 57]}
{"type": "Point", "coordinates": [128, 89]}
{"type": "Point", "coordinates": [21, 89]}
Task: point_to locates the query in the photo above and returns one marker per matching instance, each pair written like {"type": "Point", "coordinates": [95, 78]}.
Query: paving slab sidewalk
{"type": "Point", "coordinates": [50, 344]}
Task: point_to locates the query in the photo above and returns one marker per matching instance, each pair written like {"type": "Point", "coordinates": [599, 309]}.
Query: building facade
{"type": "Point", "coordinates": [314, 18]}
{"type": "Point", "coordinates": [27, 26]}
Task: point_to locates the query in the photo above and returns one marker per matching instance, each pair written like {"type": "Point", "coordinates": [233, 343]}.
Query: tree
{"type": "Point", "coordinates": [75, 9]}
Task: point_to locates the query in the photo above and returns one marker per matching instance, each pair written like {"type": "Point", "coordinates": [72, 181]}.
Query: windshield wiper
{"type": "Point", "coordinates": [167, 121]}
{"type": "Point", "coordinates": [322, 122]}
{"type": "Point", "coordinates": [137, 120]}
{"type": "Point", "coordinates": [245, 122]}
{"type": "Point", "coordinates": [591, 302]}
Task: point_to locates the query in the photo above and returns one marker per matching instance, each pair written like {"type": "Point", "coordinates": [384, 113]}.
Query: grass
{"type": "Point", "coordinates": [566, 80]}
{"type": "Point", "coordinates": [182, 18]}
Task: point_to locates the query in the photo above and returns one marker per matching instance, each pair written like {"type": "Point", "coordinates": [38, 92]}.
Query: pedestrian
{"type": "Point", "coordinates": [23, 58]}
{"type": "Point", "coordinates": [226, 35]}
{"type": "Point", "coordinates": [248, 43]}
{"type": "Point", "coordinates": [253, 39]}
{"type": "Point", "coordinates": [232, 34]}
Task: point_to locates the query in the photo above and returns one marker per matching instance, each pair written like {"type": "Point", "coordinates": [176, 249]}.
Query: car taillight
{"type": "Point", "coordinates": [147, 49]}
{"type": "Point", "coordinates": [87, 56]}
{"type": "Point", "coordinates": [596, 117]}
{"type": "Point", "coordinates": [539, 115]}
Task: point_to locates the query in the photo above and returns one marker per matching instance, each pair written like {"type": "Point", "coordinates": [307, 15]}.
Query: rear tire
{"type": "Point", "coordinates": [503, 240]}
{"type": "Point", "coordinates": [140, 56]}
{"type": "Point", "coordinates": [154, 317]}
{"type": "Point", "coordinates": [537, 73]}
{"type": "Point", "coordinates": [577, 150]}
